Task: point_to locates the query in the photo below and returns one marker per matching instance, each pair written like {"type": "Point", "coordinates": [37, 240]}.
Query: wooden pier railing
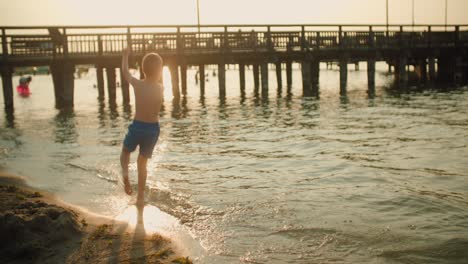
{"type": "Point", "coordinates": [58, 42]}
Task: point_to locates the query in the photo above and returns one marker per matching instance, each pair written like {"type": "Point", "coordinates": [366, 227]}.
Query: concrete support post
{"type": "Point", "coordinates": [183, 76]}
{"type": "Point", "coordinates": [343, 76]}
{"type": "Point", "coordinates": [100, 81]}
{"type": "Point", "coordinates": [175, 80]}
{"type": "Point", "coordinates": [279, 77]}
{"type": "Point", "coordinates": [289, 76]}
{"type": "Point", "coordinates": [306, 80]}
{"type": "Point", "coordinates": [314, 77]}
{"type": "Point", "coordinates": [64, 84]}
{"type": "Point", "coordinates": [222, 80]}
{"type": "Point", "coordinates": [7, 82]}
{"type": "Point", "coordinates": [256, 77]}
{"type": "Point", "coordinates": [371, 76]}
{"type": "Point", "coordinates": [264, 76]}
{"type": "Point", "coordinates": [242, 78]}
{"type": "Point", "coordinates": [201, 70]}
{"type": "Point", "coordinates": [110, 73]}
{"type": "Point", "coordinates": [125, 89]}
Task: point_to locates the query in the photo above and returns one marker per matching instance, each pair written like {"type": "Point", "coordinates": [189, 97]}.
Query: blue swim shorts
{"type": "Point", "coordinates": [144, 135]}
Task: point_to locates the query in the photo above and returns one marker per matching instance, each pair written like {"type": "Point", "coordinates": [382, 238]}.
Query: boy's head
{"type": "Point", "coordinates": [152, 65]}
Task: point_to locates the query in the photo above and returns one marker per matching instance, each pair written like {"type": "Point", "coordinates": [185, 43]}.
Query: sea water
{"type": "Point", "coordinates": [281, 179]}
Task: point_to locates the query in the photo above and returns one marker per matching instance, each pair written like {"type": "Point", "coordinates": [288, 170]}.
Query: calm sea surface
{"type": "Point", "coordinates": [282, 180]}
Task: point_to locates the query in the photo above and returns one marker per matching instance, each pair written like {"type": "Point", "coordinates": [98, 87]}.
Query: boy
{"type": "Point", "coordinates": [144, 130]}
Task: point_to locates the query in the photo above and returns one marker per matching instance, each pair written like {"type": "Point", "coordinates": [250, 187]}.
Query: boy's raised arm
{"type": "Point", "coordinates": [125, 71]}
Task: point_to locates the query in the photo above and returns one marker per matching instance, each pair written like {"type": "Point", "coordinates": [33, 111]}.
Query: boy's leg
{"type": "Point", "coordinates": [124, 161]}
{"type": "Point", "coordinates": [142, 173]}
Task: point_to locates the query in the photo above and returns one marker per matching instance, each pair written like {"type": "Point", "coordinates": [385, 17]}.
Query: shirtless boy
{"type": "Point", "coordinates": [144, 130]}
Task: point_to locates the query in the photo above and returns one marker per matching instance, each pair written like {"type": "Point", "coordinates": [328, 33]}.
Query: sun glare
{"type": "Point", "coordinates": [150, 218]}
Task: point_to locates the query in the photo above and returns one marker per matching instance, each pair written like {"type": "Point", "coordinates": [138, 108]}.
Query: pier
{"type": "Point", "coordinates": [435, 53]}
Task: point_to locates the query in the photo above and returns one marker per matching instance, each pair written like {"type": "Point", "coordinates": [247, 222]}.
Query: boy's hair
{"type": "Point", "coordinates": [152, 63]}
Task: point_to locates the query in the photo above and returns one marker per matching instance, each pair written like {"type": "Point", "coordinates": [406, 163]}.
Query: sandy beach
{"type": "Point", "coordinates": [36, 227]}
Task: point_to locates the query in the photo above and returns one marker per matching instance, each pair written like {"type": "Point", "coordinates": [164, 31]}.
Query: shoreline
{"type": "Point", "coordinates": [37, 227]}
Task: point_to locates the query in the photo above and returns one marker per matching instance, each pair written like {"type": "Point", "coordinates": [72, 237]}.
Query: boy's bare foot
{"type": "Point", "coordinates": [127, 186]}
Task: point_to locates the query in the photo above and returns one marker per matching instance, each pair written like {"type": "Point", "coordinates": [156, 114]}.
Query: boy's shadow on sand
{"type": "Point", "coordinates": [131, 243]}
{"type": "Point", "coordinates": [137, 253]}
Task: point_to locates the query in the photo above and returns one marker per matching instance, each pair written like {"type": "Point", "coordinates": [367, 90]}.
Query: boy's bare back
{"type": "Point", "coordinates": [148, 100]}
{"type": "Point", "coordinates": [149, 91]}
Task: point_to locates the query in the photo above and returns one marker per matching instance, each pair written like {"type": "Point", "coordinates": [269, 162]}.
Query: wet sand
{"type": "Point", "coordinates": [38, 228]}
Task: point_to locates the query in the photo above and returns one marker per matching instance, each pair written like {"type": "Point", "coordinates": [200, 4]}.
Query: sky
{"type": "Point", "coordinates": [153, 12]}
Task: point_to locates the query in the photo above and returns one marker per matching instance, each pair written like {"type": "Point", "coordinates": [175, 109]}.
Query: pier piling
{"type": "Point", "coordinates": [175, 80]}
{"type": "Point", "coordinates": [125, 89]}
{"type": "Point", "coordinates": [256, 78]}
{"type": "Point", "coordinates": [64, 84]}
{"type": "Point", "coordinates": [201, 72]}
{"type": "Point", "coordinates": [68, 84]}
{"type": "Point", "coordinates": [57, 79]}
{"type": "Point", "coordinates": [432, 70]}
{"type": "Point", "coordinates": [222, 80]}
{"type": "Point", "coordinates": [289, 76]}
{"type": "Point", "coordinates": [279, 77]}
{"type": "Point", "coordinates": [110, 73]}
{"type": "Point", "coordinates": [371, 76]}
{"type": "Point", "coordinates": [183, 76]}
{"type": "Point", "coordinates": [401, 74]}
{"type": "Point", "coordinates": [343, 76]}
{"type": "Point", "coordinates": [314, 77]}
{"type": "Point", "coordinates": [7, 82]}
{"type": "Point", "coordinates": [306, 80]}
{"type": "Point", "coordinates": [421, 71]}
{"type": "Point", "coordinates": [446, 69]}
{"type": "Point", "coordinates": [264, 75]}
{"type": "Point", "coordinates": [459, 76]}
{"type": "Point", "coordinates": [100, 81]}
{"type": "Point", "coordinates": [242, 78]}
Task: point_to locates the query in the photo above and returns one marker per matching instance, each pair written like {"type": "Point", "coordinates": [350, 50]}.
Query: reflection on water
{"type": "Point", "coordinates": [65, 127]}
{"type": "Point", "coordinates": [353, 179]}
{"type": "Point", "coordinates": [10, 119]}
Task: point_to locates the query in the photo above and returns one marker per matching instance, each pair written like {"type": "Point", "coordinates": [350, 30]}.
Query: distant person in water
{"type": "Point", "coordinates": [23, 87]}
{"type": "Point", "coordinates": [144, 130]}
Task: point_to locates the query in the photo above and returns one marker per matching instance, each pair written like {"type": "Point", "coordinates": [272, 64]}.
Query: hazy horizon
{"type": "Point", "coordinates": [108, 12]}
